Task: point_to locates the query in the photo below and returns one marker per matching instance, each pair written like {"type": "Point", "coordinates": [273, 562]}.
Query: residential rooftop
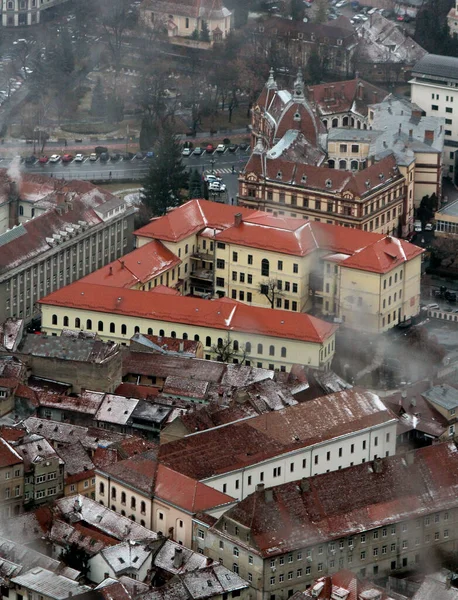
{"type": "Point", "coordinates": [49, 584]}
{"type": "Point", "coordinates": [443, 395]}
{"type": "Point", "coordinates": [436, 67]}
{"type": "Point", "coordinates": [67, 348]}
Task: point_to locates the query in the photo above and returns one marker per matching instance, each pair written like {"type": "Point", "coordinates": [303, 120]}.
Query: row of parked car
{"type": "Point", "coordinates": [210, 149]}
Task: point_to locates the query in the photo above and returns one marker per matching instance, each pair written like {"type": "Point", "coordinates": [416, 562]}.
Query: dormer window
{"type": "Point", "coordinates": [328, 183]}
{"type": "Point", "coordinates": [339, 42]}
{"type": "Point", "coordinates": [300, 36]}
{"type": "Point", "coordinates": [297, 117]}
{"type": "Point", "coordinates": [304, 178]}
{"type": "Point", "coordinates": [261, 29]}
{"type": "Point", "coordinates": [312, 37]}
{"type": "Point", "coordinates": [279, 175]}
{"type": "Point", "coordinates": [381, 176]}
{"type": "Point", "coordinates": [368, 184]}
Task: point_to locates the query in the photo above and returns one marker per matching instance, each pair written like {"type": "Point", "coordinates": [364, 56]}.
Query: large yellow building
{"type": "Point", "coordinates": [249, 263]}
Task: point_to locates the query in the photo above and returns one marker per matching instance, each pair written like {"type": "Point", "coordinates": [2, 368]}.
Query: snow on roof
{"type": "Point", "coordinates": [49, 584]}
{"type": "Point", "coordinates": [116, 409]}
{"type": "Point", "coordinates": [126, 556]}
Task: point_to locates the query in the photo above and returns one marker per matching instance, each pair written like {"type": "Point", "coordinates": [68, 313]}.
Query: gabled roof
{"type": "Point", "coordinates": [8, 456]}
{"type": "Point", "coordinates": [393, 491]}
{"type": "Point", "coordinates": [247, 442]}
{"type": "Point", "coordinates": [344, 96]}
{"type": "Point", "coordinates": [226, 315]}
{"type": "Point", "coordinates": [139, 266]}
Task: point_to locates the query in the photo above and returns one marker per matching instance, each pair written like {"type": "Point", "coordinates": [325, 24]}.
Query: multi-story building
{"type": "Point", "coordinates": [11, 481]}
{"type": "Point", "coordinates": [373, 519]}
{"type": "Point", "coordinates": [326, 434]}
{"type": "Point", "coordinates": [80, 229]}
{"type": "Point", "coordinates": [43, 470]}
{"type": "Point", "coordinates": [158, 497]}
{"type": "Point", "coordinates": [24, 12]}
{"type": "Point", "coordinates": [433, 87]}
{"type": "Point", "coordinates": [254, 258]}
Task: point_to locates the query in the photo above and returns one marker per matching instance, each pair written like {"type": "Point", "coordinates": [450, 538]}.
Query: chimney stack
{"type": "Point", "coordinates": [304, 485]}
{"type": "Point", "coordinates": [238, 219]}
{"type": "Point", "coordinates": [429, 136]}
{"type": "Point", "coordinates": [122, 264]}
{"type": "Point", "coordinates": [410, 457]}
{"type": "Point", "coordinates": [178, 558]}
{"type": "Point", "coordinates": [378, 465]}
{"type": "Point", "coordinates": [181, 346]}
{"type": "Point", "coordinates": [260, 487]}
{"type": "Point", "coordinates": [111, 270]}
{"type": "Point", "coordinates": [209, 561]}
{"type": "Point", "coordinates": [268, 496]}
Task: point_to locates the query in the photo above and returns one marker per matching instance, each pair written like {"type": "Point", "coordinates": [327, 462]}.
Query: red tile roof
{"type": "Point", "coordinates": [344, 96]}
{"type": "Point", "coordinates": [225, 316]}
{"type": "Point", "coordinates": [252, 440]}
{"type": "Point", "coordinates": [190, 218]}
{"type": "Point", "coordinates": [141, 265]}
{"type": "Point", "coordinates": [399, 492]}
{"type": "Point", "coordinates": [8, 456]}
{"type": "Point", "coordinates": [132, 390]}
{"type": "Point", "coordinates": [12, 434]}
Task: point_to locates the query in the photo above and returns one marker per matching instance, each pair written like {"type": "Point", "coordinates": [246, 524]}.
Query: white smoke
{"type": "Point", "coordinates": [14, 171]}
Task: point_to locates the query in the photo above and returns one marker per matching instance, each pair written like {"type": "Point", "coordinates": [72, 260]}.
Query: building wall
{"type": "Point", "coordinates": [100, 570]}
{"type": "Point", "coordinates": [306, 353]}
{"type": "Point", "coordinates": [85, 487]}
{"type": "Point", "coordinates": [439, 100]}
{"type": "Point", "coordinates": [378, 552]}
{"type": "Point", "coordinates": [355, 448]}
{"type": "Point", "coordinates": [11, 490]}
{"type": "Point", "coordinates": [172, 522]}
{"type": "Point", "coordinates": [44, 481]}
{"type": "Point", "coordinates": [22, 287]}
{"type": "Point", "coordinates": [111, 495]}
{"type": "Point", "coordinates": [185, 24]}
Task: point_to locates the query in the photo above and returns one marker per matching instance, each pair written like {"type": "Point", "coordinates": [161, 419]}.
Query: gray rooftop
{"type": "Point", "coordinates": [68, 348]}
{"type": "Point", "coordinates": [436, 67]}
{"type": "Point", "coordinates": [444, 395]}
{"type": "Point", "coordinates": [49, 584]}
{"type": "Point", "coordinates": [451, 210]}
{"type": "Point", "coordinates": [351, 135]}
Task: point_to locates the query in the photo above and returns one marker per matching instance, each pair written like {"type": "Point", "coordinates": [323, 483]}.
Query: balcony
{"type": "Point", "coordinates": [203, 256]}
{"type": "Point", "coordinates": [203, 275]}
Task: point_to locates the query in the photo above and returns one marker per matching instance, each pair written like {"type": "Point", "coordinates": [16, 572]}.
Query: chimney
{"type": "Point", "coordinates": [360, 92]}
{"type": "Point", "coordinates": [238, 219]}
{"type": "Point", "coordinates": [429, 136]}
{"type": "Point", "coordinates": [410, 133]}
{"type": "Point", "coordinates": [304, 485]}
{"type": "Point", "coordinates": [111, 271]}
{"type": "Point", "coordinates": [260, 487]}
{"type": "Point", "coordinates": [416, 113]}
{"type": "Point", "coordinates": [268, 496]}
{"type": "Point", "coordinates": [181, 346]}
{"type": "Point", "coordinates": [378, 465]}
{"type": "Point", "coordinates": [209, 561]}
{"type": "Point", "coordinates": [178, 558]}
{"type": "Point", "coordinates": [122, 264]}
{"type": "Point", "coordinates": [410, 457]}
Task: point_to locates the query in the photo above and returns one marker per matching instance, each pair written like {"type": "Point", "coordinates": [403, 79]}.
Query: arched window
{"type": "Point", "coordinates": [54, 319]}
{"type": "Point", "coordinates": [89, 324]}
{"type": "Point", "coordinates": [196, 338]}
{"type": "Point", "coordinates": [100, 326]}
{"type": "Point", "coordinates": [32, 212]}
{"type": "Point", "coordinates": [113, 493]}
{"type": "Point", "coordinates": [354, 165]}
{"type": "Point", "coordinates": [235, 345]}
{"type": "Point", "coordinates": [331, 163]}
{"type": "Point", "coordinates": [136, 329]}
{"type": "Point", "coordinates": [185, 336]}
{"type": "Point", "coordinates": [271, 350]}
{"type": "Point", "coordinates": [283, 352]}
{"type": "Point", "coordinates": [132, 517]}
{"type": "Point", "coordinates": [335, 122]}
{"type": "Point", "coordinates": [345, 122]}
{"type": "Point", "coordinates": [150, 331]}
{"type": "Point", "coordinates": [265, 267]}
{"type": "Point", "coordinates": [342, 164]}
{"type": "Point", "coordinates": [161, 333]}
{"type": "Point", "coordinates": [123, 513]}
{"type": "Point", "coordinates": [143, 507]}
{"type": "Point", "coordinates": [77, 323]}
{"type": "Point", "coordinates": [133, 502]}
{"type": "Point", "coordinates": [112, 328]}
{"type": "Point", "coordinates": [208, 341]}
{"type": "Point", "coordinates": [358, 124]}
{"type": "Point", "coordinates": [21, 211]}
{"type": "Point", "coordinates": [259, 348]}
{"type": "Point", "coordinates": [325, 123]}
{"type": "Point", "coordinates": [123, 497]}
{"type": "Point", "coordinates": [65, 321]}
{"type": "Point", "coordinates": [248, 346]}
{"type": "Point", "coordinates": [101, 488]}
{"type": "Point", "coordinates": [123, 329]}
{"type": "Point", "coordinates": [142, 523]}
{"type": "Point", "coordinates": [220, 342]}
{"type": "Point", "coordinates": [173, 334]}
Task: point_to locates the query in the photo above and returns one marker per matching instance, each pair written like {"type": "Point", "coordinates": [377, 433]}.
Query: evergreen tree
{"type": "Point", "coordinates": [163, 187]}
{"type": "Point", "coordinates": [99, 103]}
{"type": "Point", "coordinates": [195, 34]}
{"type": "Point", "coordinates": [76, 558]}
{"type": "Point", "coordinates": [297, 10]}
{"type": "Point", "coordinates": [205, 32]}
{"type": "Point", "coordinates": [314, 68]}
{"type": "Point", "coordinates": [195, 185]}
{"type": "Point", "coordinates": [147, 133]}
{"type": "Point", "coordinates": [321, 15]}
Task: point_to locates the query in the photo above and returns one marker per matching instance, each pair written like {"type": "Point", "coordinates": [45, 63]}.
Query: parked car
{"type": "Point", "coordinates": [104, 157]}
{"type": "Point", "coordinates": [100, 149]}
{"type": "Point", "coordinates": [128, 155]}
{"type": "Point", "coordinates": [30, 160]}
{"type": "Point", "coordinates": [186, 152]}
{"type": "Point", "coordinates": [244, 146]}
{"type": "Point", "coordinates": [198, 151]}
{"type": "Point", "coordinates": [429, 227]}
{"type": "Point", "coordinates": [54, 158]}
{"type": "Point", "coordinates": [217, 186]}
{"type": "Point", "coordinates": [115, 157]}
{"type": "Point", "coordinates": [79, 158]}
{"type": "Point", "coordinates": [432, 306]}
{"type": "Point", "coordinates": [209, 148]}
{"type": "Point", "coordinates": [220, 148]}
{"type": "Point", "coordinates": [450, 296]}
{"type": "Point", "coordinates": [150, 154]}
{"type": "Point", "coordinates": [417, 227]}
{"type": "Point", "coordinates": [67, 158]}
{"type": "Point", "coordinates": [139, 156]}
{"type": "Point", "coordinates": [341, 3]}
{"type": "Point", "coordinates": [93, 157]}
{"type": "Point", "coordinates": [232, 147]}
{"type": "Point", "coordinates": [43, 159]}
{"type": "Point", "coordinates": [211, 177]}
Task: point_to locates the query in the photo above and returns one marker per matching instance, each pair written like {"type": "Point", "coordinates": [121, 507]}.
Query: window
{"type": "Point", "coordinates": [265, 267]}
{"type": "Point", "coordinates": [54, 319]}
{"type": "Point", "coordinates": [220, 263]}
{"type": "Point", "coordinates": [77, 323]}
{"type": "Point", "coordinates": [271, 350]}
{"type": "Point", "coordinates": [235, 551]}
{"type": "Point", "coordinates": [250, 559]}
{"type": "Point", "coordinates": [100, 326]}
{"type": "Point", "coordinates": [123, 329]}
{"type": "Point", "coordinates": [363, 555]}
{"type": "Point", "coordinates": [280, 265]}
{"type": "Point", "coordinates": [250, 259]}
{"type": "Point", "coordinates": [434, 107]}
{"type": "Point", "coordinates": [112, 328]}
{"type": "Point", "coordinates": [208, 341]}
{"type": "Point", "coordinates": [449, 109]}
{"type": "Point", "coordinates": [143, 507]}
{"type": "Point", "coordinates": [259, 348]}
{"type": "Point", "coordinates": [235, 257]}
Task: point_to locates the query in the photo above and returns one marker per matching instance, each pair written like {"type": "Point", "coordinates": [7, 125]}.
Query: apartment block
{"type": "Point", "coordinates": [11, 480]}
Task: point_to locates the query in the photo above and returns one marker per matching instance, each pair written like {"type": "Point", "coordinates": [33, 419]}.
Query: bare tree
{"type": "Point", "coordinates": [226, 350]}
{"type": "Point", "coordinates": [271, 290]}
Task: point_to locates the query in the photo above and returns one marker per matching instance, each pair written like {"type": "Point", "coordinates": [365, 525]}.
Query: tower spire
{"type": "Point", "coordinates": [299, 86]}
{"type": "Point", "coordinates": [271, 83]}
